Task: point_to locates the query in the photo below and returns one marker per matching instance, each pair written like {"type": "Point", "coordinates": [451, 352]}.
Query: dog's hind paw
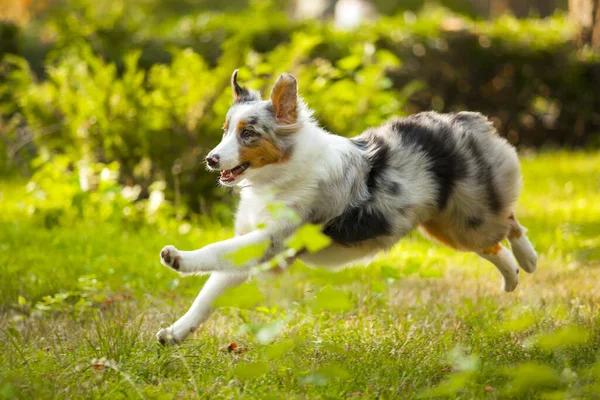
{"type": "Point", "coordinates": [510, 281]}
{"type": "Point", "coordinates": [169, 257]}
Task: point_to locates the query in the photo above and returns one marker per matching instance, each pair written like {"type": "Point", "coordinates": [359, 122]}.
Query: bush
{"type": "Point", "coordinates": [108, 96]}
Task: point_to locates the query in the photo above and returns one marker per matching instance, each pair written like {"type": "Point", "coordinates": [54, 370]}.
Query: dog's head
{"type": "Point", "coordinates": [257, 133]}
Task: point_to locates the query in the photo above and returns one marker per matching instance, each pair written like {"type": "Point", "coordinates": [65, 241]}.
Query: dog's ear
{"type": "Point", "coordinates": [241, 93]}
{"type": "Point", "coordinates": [285, 99]}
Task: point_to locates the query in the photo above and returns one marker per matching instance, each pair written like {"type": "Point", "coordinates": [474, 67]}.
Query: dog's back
{"type": "Point", "coordinates": [475, 173]}
{"type": "Point", "coordinates": [449, 174]}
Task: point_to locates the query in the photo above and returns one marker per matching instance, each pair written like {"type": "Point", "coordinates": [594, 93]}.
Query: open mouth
{"type": "Point", "coordinates": [230, 175]}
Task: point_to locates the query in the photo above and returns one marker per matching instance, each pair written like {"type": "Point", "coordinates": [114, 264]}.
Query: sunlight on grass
{"type": "Point", "coordinates": [80, 303]}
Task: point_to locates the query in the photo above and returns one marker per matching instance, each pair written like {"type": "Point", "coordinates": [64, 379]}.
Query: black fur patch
{"type": "Point", "coordinates": [363, 222]}
{"type": "Point", "coordinates": [357, 224]}
{"type": "Point", "coordinates": [474, 222]}
{"type": "Point", "coordinates": [433, 137]}
{"type": "Point", "coordinates": [378, 159]}
{"type": "Point", "coordinates": [484, 176]}
{"type": "Point", "coordinates": [391, 187]}
{"type": "Point", "coordinates": [245, 96]}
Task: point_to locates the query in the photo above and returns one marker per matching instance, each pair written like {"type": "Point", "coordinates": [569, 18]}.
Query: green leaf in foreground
{"type": "Point", "coordinates": [333, 300]}
{"type": "Point", "coordinates": [265, 333]}
{"type": "Point", "coordinates": [449, 387]}
{"type": "Point", "coordinates": [248, 253]}
{"type": "Point", "coordinates": [251, 370]}
{"type": "Point", "coordinates": [309, 237]}
{"type": "Point", "coordinates": [565, 337]}
{"type": "Point", "coordinates": [279, 349]}
{"type": "Point", "coordinates": [530, 376]}
{"type": "Point", "coordinates": [390, 273]}
{"type": "Point", "coordinates": [518, 324]}
{"type": "Point", "coordinates": [244, 296]}
{"type": "Point", "coordinates": [324, 374]}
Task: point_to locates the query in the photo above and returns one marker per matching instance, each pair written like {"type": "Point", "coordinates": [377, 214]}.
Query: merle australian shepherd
{"type": "Point", "coordinates": [450, 175]}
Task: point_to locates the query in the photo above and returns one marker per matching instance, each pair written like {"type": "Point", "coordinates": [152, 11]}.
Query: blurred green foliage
{"type": "Point", "coordinates": [123, 83]}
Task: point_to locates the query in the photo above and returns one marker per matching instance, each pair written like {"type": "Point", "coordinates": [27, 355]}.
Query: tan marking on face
{"type": "Point", "coordinates": [226, 126]}
{"type": "Point", "coordinates": [495, 249]}
{"type": "Point", "coordinates": [241, 125]}
{"type": "Point", "coordinates": [262, 152]}
{"type": "Point", "coordinates": [435, 230]}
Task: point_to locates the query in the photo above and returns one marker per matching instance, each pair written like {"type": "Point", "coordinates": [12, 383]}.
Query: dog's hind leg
{"type": "Point", "coordinates": [521, 246]}
{"type": "Point", "coordinates": [501, 257]}
{"type": "Point", "coordinates": [201, 309]}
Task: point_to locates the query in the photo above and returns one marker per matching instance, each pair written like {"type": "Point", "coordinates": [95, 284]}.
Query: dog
{"type": "Point", "coordinates": [450, 175]}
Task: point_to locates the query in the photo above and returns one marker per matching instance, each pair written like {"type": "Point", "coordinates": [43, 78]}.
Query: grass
{"type": "Point", "coordinates": [80, 304]}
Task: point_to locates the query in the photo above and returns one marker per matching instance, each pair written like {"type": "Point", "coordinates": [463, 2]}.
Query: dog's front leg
{"type": "Point", "coordinates": [214, 257]}
{"type": "Point", "coordinates": [201, 308]}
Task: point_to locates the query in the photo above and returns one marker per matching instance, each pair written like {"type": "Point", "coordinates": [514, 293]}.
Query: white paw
{"type": "Point", "coordinates": [173, 335]}
{"type": "Point", "coordinates": [169, 257]}
{"type": "Point", "coordinates": [510, 282]}
{"type": "Point", "coordinates": [165, 337]}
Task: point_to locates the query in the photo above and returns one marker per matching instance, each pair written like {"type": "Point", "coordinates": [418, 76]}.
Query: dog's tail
{"type": "Point", "coordinates": [521, 246]}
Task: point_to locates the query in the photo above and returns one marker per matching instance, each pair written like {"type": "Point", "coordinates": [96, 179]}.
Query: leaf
{"type": "Point", "coordinates": [314, 379]}
{"type": "Point", "coordinates": [309, 237]}
{"type": "Point", "coordinates": [280, 211]}
{"type": "Point", "coordinates": [22, 301]}
{"type": "Point", "coordinates": [530, 376]}
{"type": "Point", "coordinates": [517, 324]}
{"type": "Point", "coordinates": [251, 370]}
{"type": "Point", "coordinates": [279, 349]}
{"type": "Point", "coordinates": [248, 253]}
{"type": "Point", "coordinates": [390, 273]}
{"type": "Point", "coordinates": [243, 296]}
{"type": "Point", "coordinates": [387, 58]}
{"type": "Point", "coordinates": [412, 268]}
{"type": "Point", "coordinates": [350, 62]}
{"type": "Point", "coordinates": [449, 387]}
{"type": "Point", "coordinates": [265, 333]}
{"type": "Point", "coordinates": [377, 287]}
{"type": "Point", "coordinates": [569, 336]}
{"type": "Point", "coordinates": [462, 361]}
{"type": "Point", "coordinates": [332, 300]}
{"type": "Point", "coordinates": [334, 371]}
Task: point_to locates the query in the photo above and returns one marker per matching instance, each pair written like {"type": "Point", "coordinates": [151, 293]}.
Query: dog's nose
{"type": "Point", "coordinates": [212, 160]}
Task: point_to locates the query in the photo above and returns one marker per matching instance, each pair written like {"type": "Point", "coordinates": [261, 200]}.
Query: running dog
{"type": "Point", "coordinates": [450, 175]}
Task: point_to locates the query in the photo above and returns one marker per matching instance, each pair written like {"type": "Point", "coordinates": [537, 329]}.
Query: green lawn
{"type": "Point", "coordinates": [422, 321]}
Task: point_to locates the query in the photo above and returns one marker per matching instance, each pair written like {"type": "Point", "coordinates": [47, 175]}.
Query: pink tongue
{"type": "Point", "coordinates": [226, 175]}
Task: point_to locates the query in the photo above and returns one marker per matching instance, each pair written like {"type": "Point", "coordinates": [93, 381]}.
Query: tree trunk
{"type": "Point", "coordinates": [586, 14]}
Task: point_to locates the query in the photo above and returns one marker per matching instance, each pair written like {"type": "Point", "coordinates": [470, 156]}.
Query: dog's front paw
{"type": "Point", "coordinates": [169, 257]}
{"type": "Point", "coordinates": [166, 337]}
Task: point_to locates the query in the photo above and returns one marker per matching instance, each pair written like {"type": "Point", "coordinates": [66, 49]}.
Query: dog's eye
{"type": "Point", "coordinates": [248, 134]}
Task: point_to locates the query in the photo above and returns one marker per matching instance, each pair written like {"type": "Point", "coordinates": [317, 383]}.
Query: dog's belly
{"type": "Point", "coordinates": [337, 256]}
